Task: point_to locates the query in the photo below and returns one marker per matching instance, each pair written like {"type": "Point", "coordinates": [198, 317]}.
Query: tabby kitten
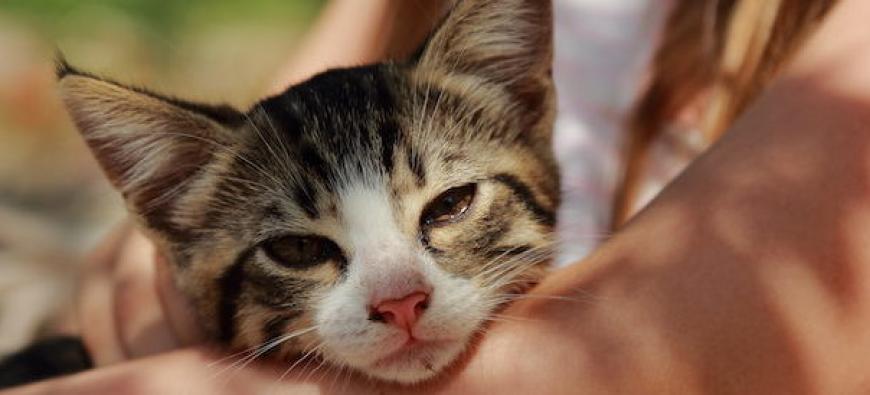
{"type": "Point", "coordinates": [374, 216]}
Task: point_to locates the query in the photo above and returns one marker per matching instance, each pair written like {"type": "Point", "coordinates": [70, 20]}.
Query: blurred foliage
{"type": "Point", "coordinates": [210, 50]}
{"type": "Point", "coordinates": [160, 22]}
{"type": "Point", "coordinates": [161, 17]}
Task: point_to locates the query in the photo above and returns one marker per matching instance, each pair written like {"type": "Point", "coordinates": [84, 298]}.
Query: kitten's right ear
{"type": "Point", "coordinates": [507, 41]}
{"type": "Point", "coordinates": [148, 145]}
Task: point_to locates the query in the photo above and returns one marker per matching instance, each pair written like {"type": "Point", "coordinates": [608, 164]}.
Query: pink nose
{"type": "Point", "coordinates": [403, 312]}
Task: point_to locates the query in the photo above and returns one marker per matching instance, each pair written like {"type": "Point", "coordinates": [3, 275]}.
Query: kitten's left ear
{"type": "Point", "coordinates": [149, 146]}
{"type": "Point", "coordinates": [509, 42]}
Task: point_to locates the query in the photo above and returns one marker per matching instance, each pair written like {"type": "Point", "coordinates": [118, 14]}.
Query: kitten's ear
{"type": "Point", "coordinates": [148, 145]}
{"type": "Point", "coordinates": [507, 41]}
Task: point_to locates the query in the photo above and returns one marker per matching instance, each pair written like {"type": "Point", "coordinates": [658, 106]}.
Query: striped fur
{"type": "Point", "coordinates": [355, 156]}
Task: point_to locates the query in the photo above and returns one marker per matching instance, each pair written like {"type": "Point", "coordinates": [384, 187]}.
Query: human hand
{"type": "Point", "coordinates": [128, 306]}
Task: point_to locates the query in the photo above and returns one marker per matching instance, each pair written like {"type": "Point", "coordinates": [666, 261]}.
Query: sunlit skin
{"type": "Point", "coordinates": [748, 274]}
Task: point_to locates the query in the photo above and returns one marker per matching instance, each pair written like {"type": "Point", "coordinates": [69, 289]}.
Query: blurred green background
{"type": "Point", "coordinates": [54, 202]}
{"type": "Point", "coordinates": [211, 50]}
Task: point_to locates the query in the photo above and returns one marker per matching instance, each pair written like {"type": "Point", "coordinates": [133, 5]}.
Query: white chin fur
{"type": "Point", "coordinates": [456, 309]}
{"type": "Point", "coordinates": [418, 366]}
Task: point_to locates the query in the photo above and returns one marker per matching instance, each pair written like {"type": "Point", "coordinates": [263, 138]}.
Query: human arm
{"type": "Point", "coordinates": [748, 274]}
{"type": "Point", "coordinates": [347, 34]}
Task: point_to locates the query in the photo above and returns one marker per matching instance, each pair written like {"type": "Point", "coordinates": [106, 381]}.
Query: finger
{"type": "Point", "coordinates": [177, 308]}
{"type": "Point", "coordinates": [139, 317]}
{"type": "Point", "coordinates": [95, 301]}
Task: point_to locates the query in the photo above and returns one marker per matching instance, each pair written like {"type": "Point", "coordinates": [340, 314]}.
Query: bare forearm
{"type": "Point", "coordinates": [748, 275]}
{"type": "Point", "coordinates": [347, 34]}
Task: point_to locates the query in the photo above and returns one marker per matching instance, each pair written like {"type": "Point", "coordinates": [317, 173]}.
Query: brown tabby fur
{"type": "Point", "coordinates": [210, 184]}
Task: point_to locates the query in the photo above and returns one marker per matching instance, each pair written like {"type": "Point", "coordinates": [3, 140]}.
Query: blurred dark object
{"type": "Point", "coordinates": [45, 359]}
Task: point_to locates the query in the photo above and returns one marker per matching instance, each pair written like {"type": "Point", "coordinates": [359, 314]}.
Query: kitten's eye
{"type": "Point", "coordinates": [449, 206]}
{"type": "Point", "coordinates": [300, 252]}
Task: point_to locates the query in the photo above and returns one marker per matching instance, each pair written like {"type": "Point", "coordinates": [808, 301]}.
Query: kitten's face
{"type": "Point", "coordinates": [375, 216]}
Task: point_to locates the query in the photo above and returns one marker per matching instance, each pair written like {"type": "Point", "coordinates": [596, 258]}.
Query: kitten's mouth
{"type": "Point", "coordinates": [414, 351]}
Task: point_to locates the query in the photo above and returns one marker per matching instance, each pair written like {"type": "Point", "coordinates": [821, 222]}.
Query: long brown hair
{"type": "Point", "coordinates": [726, 50]}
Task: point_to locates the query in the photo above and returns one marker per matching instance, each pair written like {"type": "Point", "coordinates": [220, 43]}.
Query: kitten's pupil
{"type": "Point", "coordinates": [299, 252]}
{"type": "Point", "coordinates": [449, 206]}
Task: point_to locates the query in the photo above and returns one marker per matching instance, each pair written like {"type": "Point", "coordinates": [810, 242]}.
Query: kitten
{"type": "Point", "coordinates": [374, 216]}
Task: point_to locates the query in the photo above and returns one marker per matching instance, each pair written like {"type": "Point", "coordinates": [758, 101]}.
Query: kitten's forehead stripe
{"type": "Point", "coordinates": [311, 159]}
{"type": "Point", "coordinates": [305, 196]}
{"type": "Point", "coordinates": [343, 123]}
{"type": "Point", "coordinates": [389, 134]}
{"type": "Point", "coordinates": [280, 110]}
{"type": "Point", "coordinates": [415, 163]}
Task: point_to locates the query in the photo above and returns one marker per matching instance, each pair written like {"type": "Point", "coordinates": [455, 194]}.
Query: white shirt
{"type": "Point", "coordinates": [602, 48]}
